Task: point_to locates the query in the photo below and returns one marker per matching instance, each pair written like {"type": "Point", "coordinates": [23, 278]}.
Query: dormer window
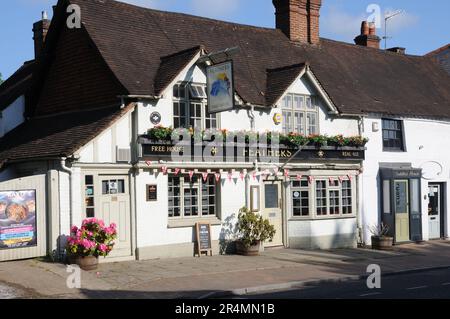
{"type": "Point", "coordinates": [190, 109]}
{"type": "Point", "coordinates": [300, 114]}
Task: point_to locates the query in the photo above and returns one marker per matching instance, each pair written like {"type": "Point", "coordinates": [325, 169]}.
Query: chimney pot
{"type": "Point", "coordinates": [398, 50]}
{"type": "Point", "coordinates": [368, 36]}
{"type": "Point", "coordinates": [364, 28]}
{"type": "Point", "coordinates": [372, 28]}
{"type": "Point", "coordinates": [40, 30]}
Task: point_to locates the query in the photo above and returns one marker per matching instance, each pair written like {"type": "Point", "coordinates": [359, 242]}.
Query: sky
{"type": "Point", "coordinates": [422, 26]}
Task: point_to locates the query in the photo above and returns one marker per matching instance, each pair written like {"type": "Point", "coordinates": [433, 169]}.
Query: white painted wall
{"type": "Point", "coordinates": [102, 149]}
{"type": "Point", "coordinates": [428, 147]}
{"type": "Point", "coordinates": [12, 116]}
{"type": "Point", "coordinates": [153, 220]}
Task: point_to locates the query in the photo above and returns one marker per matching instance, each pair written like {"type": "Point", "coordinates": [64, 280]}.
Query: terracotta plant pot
{"type": "Point", "coordinates": [248, 251]}
{"type": "Point", "coordinates": [382, 243]}
{"type": "Point", "coordinates": [87, 263]}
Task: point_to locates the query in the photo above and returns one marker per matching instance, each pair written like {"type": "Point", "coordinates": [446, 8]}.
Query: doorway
{"type": "Point", "coordinates": [272, 209]}
{"type": "Point", "coordinates": [435, 211]}
{"type": "Point", "coordinates": [107, 197]}
{"type": "Point", "coordinates": [401, 199]}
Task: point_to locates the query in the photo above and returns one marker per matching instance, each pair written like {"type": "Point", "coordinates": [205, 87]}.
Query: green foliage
{"type": "Point", "coordinates": [253, 228]}
{"type": "Point", "coordinates": [1, 78]}
{"type": "Point", "coordinates": [160, 133]}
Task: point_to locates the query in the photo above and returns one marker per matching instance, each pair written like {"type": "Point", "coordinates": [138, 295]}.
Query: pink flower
{"type": "Point", "coordinates": [103, 248]}
{"type": "Point", "coordinates": [74, 229]}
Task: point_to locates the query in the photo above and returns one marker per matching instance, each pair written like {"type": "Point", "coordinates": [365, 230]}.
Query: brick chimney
{"type": "Point", "coordinates": [40, 30]}
{"type": "Point", "coordinates": [299, 19]}
{"type": "Point", "coordinates": [368, 36]}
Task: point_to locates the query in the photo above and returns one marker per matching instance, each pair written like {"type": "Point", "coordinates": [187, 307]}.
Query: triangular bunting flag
{"type": "Point", "coordinates": [191, 174]}
{"type": "Point", "coordinates": [299, 177]}
{"type": "Point", "coordinates": [177, 171]}
{"type": "Point", "coordinates": [217, 175]}
{"type": "Point", "coordinates": [164, 170]}
{"type": "Point", "coordinates": [205, 176]}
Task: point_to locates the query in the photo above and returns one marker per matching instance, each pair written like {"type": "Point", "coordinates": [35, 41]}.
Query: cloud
{"type": "Point", "coordinates": [401, 22]}
{"type": "Point", "coordinates": [341, 24]}
{"type": "Point", "coordinates": [344, 26]}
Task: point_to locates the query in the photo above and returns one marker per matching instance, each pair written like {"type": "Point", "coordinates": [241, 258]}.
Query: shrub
{"type": "Point", "coordinates": [253, 228]}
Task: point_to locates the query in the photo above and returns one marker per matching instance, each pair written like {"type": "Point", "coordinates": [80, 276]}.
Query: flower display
{"type": "Point", "coordinates": [92, 239]}
{"type": "Point", "coordinates": [160, 133]}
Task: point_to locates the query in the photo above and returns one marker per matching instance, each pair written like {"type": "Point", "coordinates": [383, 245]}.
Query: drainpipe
{"type": "Point", "coordinates": [69, 171]}
{"type": "Point", "coordinates": [360, 190]}
{"type": "Point", "coordinates": [251, 115]}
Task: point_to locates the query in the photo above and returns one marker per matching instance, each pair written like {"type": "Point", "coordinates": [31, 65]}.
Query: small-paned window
{"type": "Point", "coordinates": [300, 114]}
{"type": "Point", "coordinates": [393, 135]}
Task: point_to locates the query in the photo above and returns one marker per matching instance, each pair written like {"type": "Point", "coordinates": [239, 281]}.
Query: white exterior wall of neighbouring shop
{"type": "Point", "coordinates": [427, 147]}
{"type": "Point", "coordinates": [157, 238]}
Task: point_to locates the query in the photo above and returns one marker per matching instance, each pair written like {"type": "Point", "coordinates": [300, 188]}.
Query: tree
{"type": "Point", "coordinates": [1, 79]}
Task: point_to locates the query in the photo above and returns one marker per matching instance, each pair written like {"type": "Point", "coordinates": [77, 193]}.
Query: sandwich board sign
{"type": "Point", "coordinates": [204, 242]}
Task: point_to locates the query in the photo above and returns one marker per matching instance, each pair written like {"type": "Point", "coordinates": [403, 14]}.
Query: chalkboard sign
{"type": "Point", "coordinates": [271, 195]}
{"type": "Point", "coordinates": [204, 242]}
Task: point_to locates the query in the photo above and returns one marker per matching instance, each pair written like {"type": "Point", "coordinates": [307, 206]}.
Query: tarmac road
{"type": "Point", "coordinates": [427, 284]}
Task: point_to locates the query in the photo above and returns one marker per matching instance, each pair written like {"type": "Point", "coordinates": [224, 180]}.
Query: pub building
{"type": "Point", "coordinates": [195, 118]}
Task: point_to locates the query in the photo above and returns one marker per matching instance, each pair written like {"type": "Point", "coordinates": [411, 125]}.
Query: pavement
{"type": "Point", "coordinates": [218, 276]}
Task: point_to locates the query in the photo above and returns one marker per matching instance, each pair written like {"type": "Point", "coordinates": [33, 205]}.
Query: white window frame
{"type": "Point", "coordinates": [186, 184]}
{"type": "Point", "coordinates": [187, 100]}
{"type": "Point", "coordinates": [312, 188]}
{"type": "Point", "coordinates": [304, 111]}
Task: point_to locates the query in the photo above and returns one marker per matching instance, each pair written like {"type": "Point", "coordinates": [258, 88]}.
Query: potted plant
{"type": "Point", "coordinates": [253, 231]}
{"type": "Point", "coordinates": [88, 243]}
{"type": "Point", "coordinates": [380, 238]}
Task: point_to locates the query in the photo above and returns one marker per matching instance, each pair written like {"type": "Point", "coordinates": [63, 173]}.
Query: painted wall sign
{"type": "Point", "coordinates": [245, 154]}
{"type": "Point", "coordinates": [220, 86]}
{"type": "Point", "coordinates": [18, 219]}
{"type": "Point", "coordinates": [204, 241]}
{"type": "Point", "coordinates": [152, 193]}
{"type": "Point", "coordinates": [155, 118]}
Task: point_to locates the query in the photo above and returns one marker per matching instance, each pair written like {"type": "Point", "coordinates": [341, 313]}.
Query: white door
{"type": "Point", "coordinates": [114, 207]}
{"type": "Point", "coordinates": [434, 211]}
{"type": "Point", "coordinates": [272, 210]}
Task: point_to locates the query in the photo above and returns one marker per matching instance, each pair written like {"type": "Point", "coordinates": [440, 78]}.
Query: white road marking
{"type": "Point", "coordinates": [371, 294]}
{"type": "Point", "coordinates": [414, 288]}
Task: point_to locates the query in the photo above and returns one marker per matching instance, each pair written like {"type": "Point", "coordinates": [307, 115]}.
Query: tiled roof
{"type": "Point", "coordinates": [57, 136]}
{"type": "Point", "coordinates": [18, 84]}
{"type": "Point", "coordinates": [358, 79]}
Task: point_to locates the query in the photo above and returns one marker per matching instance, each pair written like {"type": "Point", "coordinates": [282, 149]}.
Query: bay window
{"type": "Point", "coordinates": [300, 114]}
{"type": "Point", "coordinates": [190, 109]}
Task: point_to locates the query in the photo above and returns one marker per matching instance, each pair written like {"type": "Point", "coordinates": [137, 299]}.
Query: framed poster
{"type": "Point", "coordinates": [220, 86]}
{"type": "Point", "coordinates": [152, 193]}
{"type": "Point", "coordinates": [204, 241]}
{"type": "Point", "coordinates": [18, 219]}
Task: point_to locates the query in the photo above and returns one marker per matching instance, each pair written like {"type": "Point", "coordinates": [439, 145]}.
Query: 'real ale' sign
{"type": "Point", "coordinates": [220, 86]}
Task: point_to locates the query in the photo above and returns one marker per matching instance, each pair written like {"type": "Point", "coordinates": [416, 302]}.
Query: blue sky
{"type": "Point", "coordinates": [421, 28]}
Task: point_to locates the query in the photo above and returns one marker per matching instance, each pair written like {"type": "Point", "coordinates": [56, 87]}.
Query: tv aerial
{"type": "Point", "coordinates": [387, 17]}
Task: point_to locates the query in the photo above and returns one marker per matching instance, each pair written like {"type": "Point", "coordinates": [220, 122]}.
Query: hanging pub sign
{"type": "Point", "coordinates": [18, 219]}
{"type": "Point", "coordinates": [220, 86]}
